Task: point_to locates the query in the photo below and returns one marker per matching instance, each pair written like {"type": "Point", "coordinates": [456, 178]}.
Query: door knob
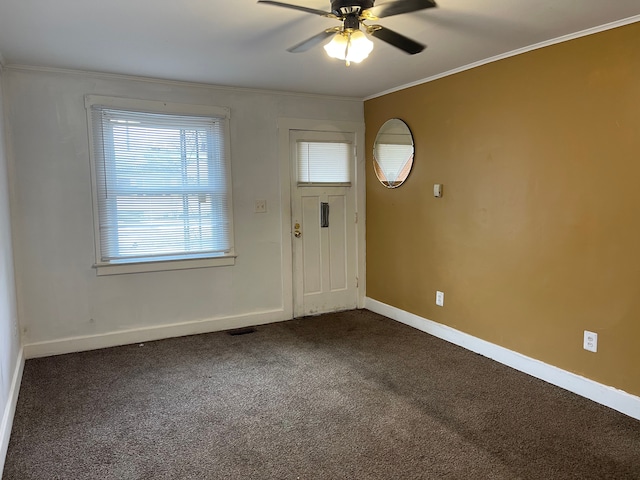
{"type": "Point", "coordinates": [297, 234]}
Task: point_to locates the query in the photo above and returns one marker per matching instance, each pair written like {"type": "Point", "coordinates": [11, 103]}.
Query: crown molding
{"type": "Point", "coordinates": [513, 53]}
{"type": "Point", "coordinates": [176, 83]}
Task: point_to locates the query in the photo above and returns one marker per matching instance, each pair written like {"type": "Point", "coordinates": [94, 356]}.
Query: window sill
{"type": "Point", "coordinates": [324, 184]}
{"type": "Point", "coordinates": [162, 266]}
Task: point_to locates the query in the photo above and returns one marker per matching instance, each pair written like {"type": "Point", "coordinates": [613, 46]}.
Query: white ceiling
{"type": "Point", "coordinates": [243, 43]}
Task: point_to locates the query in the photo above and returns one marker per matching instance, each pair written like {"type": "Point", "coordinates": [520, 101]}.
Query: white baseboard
{"type": "Point", "coordinates": [148, 334]}
{"type": "Point", "coordinates": [10, 409]}
{"type": "Point", "coordinates": [609, 396]}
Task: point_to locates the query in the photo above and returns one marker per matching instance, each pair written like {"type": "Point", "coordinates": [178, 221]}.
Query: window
{"type": "Point", "coordinates": [323, 162]}
{"type": "Point", "coordinates": [162, 185]}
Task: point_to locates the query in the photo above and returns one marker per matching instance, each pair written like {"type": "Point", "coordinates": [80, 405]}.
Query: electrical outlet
{"type": "Point", "coordinates": [440, 298]}
{"type": "Point", "coordinates": [590, 341]}
{"type": "Point", "coordinates": [261, 206]}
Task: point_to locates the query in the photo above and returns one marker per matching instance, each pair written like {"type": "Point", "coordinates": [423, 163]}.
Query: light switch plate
{"type": "Point", "coordinates": [261, 206]}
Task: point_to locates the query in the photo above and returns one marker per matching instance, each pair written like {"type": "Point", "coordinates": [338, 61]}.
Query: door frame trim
{"type": "Point", "coordinates": [285, 125]}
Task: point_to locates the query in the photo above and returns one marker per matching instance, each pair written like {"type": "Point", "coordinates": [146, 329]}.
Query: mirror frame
{"type": "Point", "coordinates": [403, 129]}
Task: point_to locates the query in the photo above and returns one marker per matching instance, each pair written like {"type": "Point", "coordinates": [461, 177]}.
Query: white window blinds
{"type": "Point", "coordinates": [323, 162]}
{"type": "Point", "coordinates": [162, 185]}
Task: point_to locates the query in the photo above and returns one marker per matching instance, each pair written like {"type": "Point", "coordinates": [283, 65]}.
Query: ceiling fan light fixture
{"type": "Point", "coordinates": [337, 47]}
{"type": "Point", "coordinates": [350, 46]}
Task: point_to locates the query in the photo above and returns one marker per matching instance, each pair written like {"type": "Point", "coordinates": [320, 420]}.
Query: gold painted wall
{"type": "Point", "coordinates": [537, 235]}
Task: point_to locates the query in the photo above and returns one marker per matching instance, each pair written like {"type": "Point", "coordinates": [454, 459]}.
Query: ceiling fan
{"type": "Point", "coordinates": [349, 43]}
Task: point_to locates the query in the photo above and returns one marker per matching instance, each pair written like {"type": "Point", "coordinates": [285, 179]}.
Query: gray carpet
{"type": "Point", "coordinates": [350, 395]}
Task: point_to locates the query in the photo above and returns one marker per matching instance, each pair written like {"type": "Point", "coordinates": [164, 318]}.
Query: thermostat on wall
{"type": "Point", "coordinates": [437, 190]}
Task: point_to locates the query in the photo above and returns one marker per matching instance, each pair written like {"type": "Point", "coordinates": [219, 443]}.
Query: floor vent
{"type": "Point", "coordinates": [242, 331]}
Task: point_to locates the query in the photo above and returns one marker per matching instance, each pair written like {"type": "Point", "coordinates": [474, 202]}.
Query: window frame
{"type": "Point", "coordinates": [170, 108]}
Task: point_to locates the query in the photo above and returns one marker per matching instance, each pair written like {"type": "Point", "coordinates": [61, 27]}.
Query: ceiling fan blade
{"type": "Point", "coordinates": [396, 8]}
{"type": "Point", "coordinates": [399, 41]}
{"type": "Point", "coordinates": [298, 7]}
{"type": "Point", "coordinates": [313, 41]}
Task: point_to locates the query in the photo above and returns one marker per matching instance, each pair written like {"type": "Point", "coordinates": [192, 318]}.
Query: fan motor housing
{"type": "Point", "coordinates": [344, 7]}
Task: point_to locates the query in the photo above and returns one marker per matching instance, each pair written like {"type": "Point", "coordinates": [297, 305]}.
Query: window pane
{"type": "Point", "coordinates": [323, 162]}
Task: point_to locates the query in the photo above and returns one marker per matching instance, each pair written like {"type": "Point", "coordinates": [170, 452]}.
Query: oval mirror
{"type": "Point", "coordinates": [393, 153]}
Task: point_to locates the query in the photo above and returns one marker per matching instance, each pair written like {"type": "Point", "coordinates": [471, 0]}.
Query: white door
{"type": "Point", "coordinates": [323, 195]}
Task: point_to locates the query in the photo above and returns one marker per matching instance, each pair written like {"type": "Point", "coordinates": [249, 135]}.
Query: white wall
{"type": "Point", "coordinates": [9, 334]}
{"type": "Point", "coordinates": [60, 296]}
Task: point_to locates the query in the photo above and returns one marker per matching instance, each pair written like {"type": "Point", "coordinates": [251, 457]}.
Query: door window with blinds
{"type": "Point", "coordinates": [162, 186]}
{"type": "Point", "coordinates": [324, 162]}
